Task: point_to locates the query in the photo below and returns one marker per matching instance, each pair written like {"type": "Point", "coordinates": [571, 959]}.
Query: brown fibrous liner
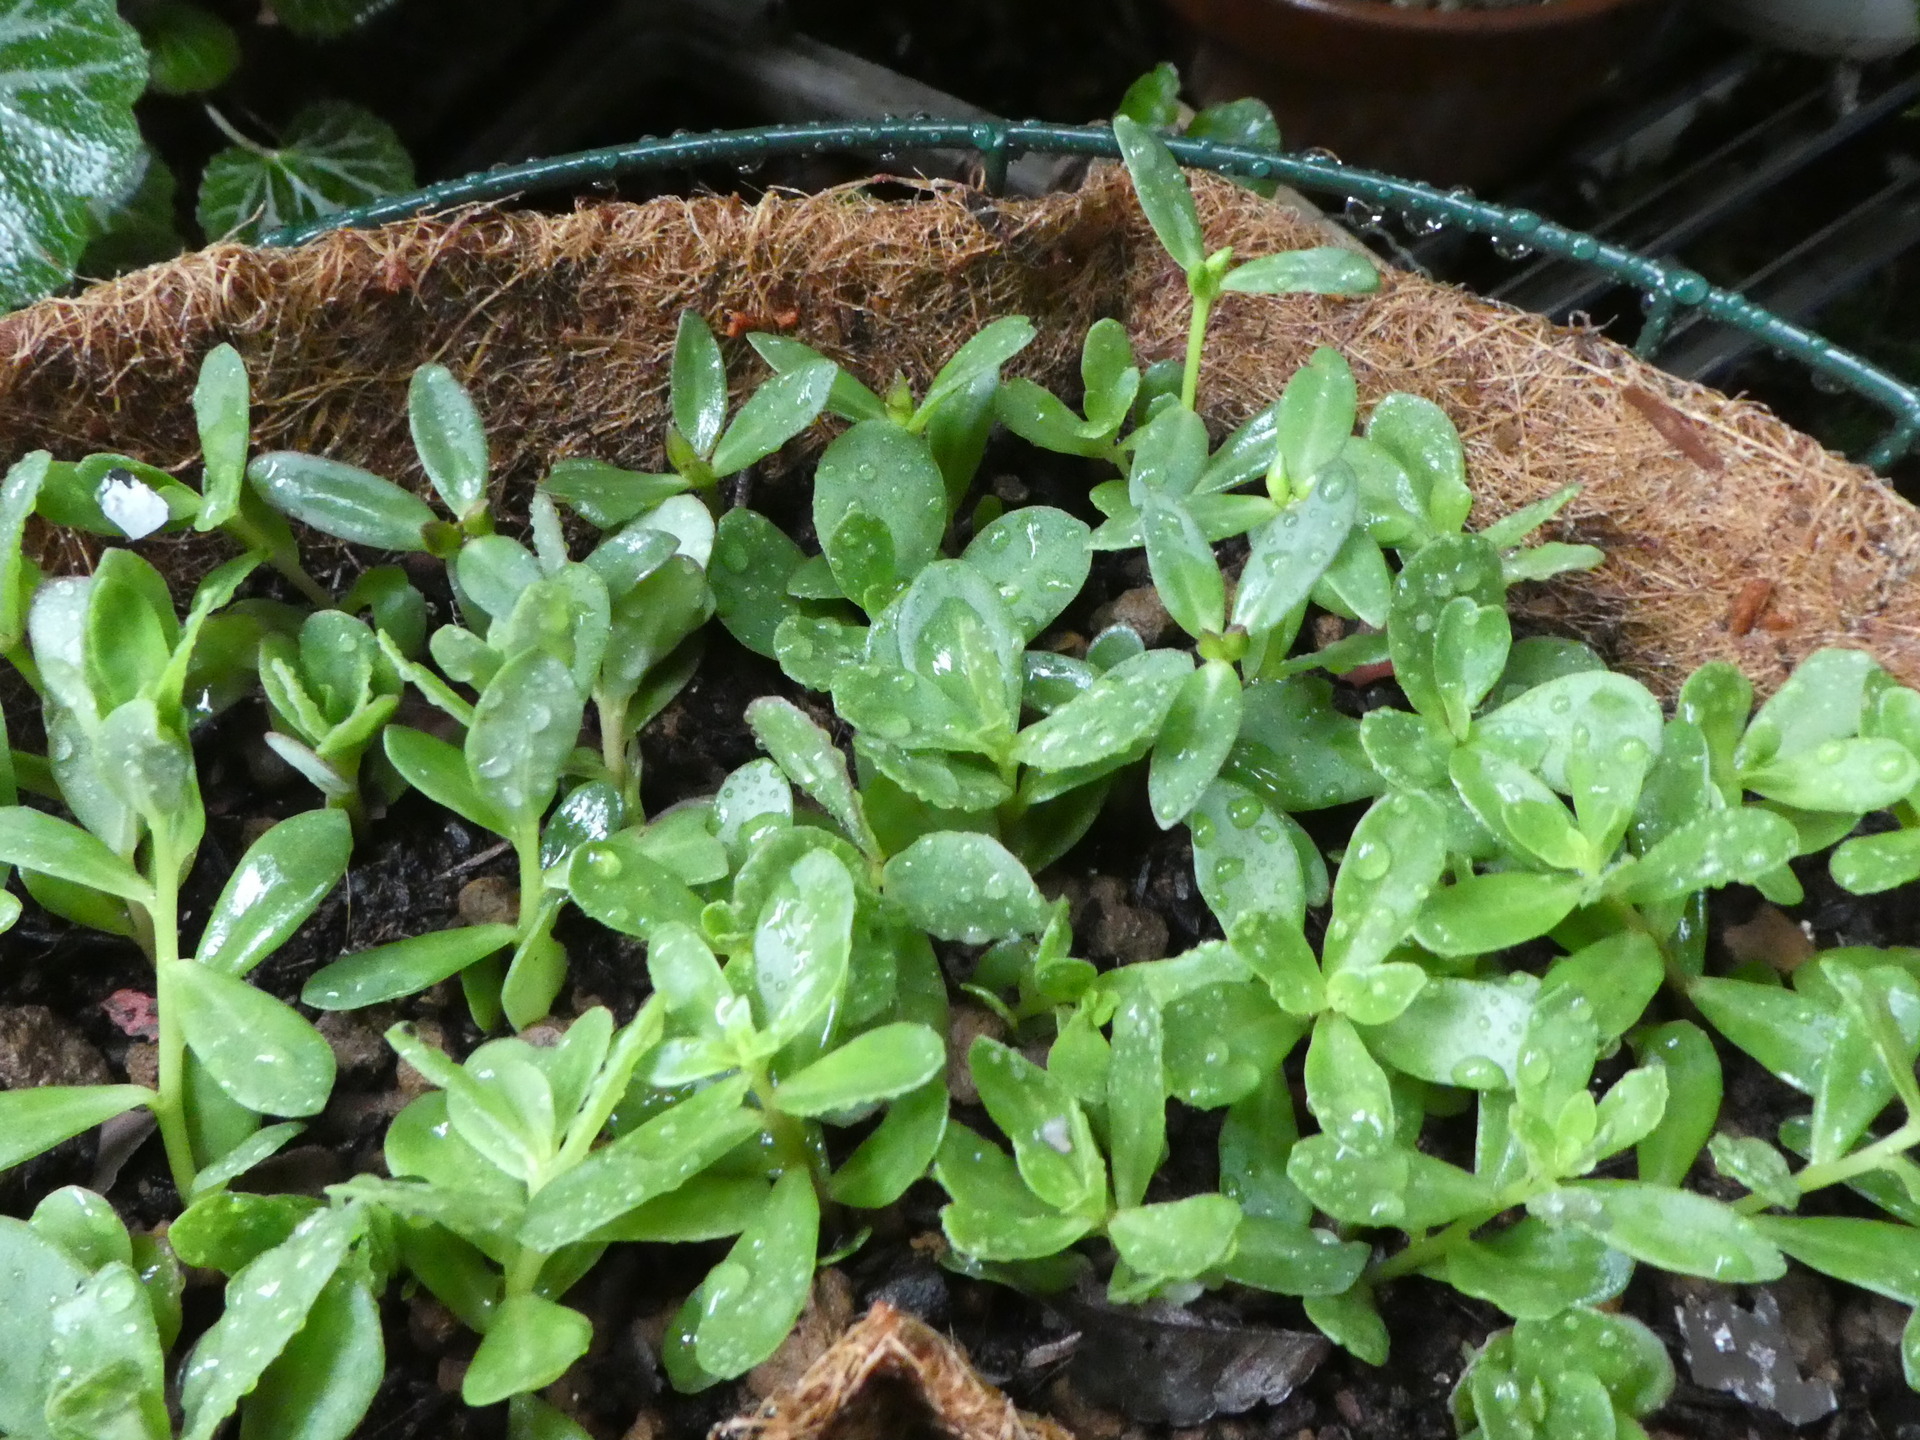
{"type": "Point", "coordinates": [563, 325]}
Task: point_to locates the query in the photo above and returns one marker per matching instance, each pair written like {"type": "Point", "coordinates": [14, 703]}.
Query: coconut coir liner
{"type": "Point", "coordinates": [1729, 535]}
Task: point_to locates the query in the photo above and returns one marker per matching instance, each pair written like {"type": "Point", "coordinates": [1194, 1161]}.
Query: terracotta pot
{"type": "Point", "coordinates": [1457, 97]}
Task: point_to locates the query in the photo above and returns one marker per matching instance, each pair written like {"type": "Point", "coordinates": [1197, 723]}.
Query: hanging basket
{"type": "Point", "coordinates": [1728, 534]}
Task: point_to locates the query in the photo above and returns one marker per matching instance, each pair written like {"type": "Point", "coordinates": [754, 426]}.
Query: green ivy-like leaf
{"type": "Point", "coordinates": [70, 71]}
{"type": "Point", "coordinates": [332, 156]}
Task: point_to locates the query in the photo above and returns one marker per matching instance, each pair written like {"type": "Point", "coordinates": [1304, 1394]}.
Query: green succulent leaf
{"type": "Point", "coordinates": [258, 1049]}
{"type": "Point", "coordinates": [1163, 192]}
{"type": "Point", "coordinates": [279, 882]}
{"type": "Point", "coordinates": [750, 1300]}
{"type": "Point", "coordinates": [450, 439]}
{"type": "Point", "coordinates": [878, 1065]}
{"type": "Point", "coordinates": [964, 886]}
{"type": "Point", "coordinates": [1320, 270]}
{"type": "Point", "coordinates": [1176, 1239]}
{"type": "Point", "coordinates": [1676, 1230]}
{"type": "Point", "coordinates": [38, 1118]}
{"type": "Point", "coordinates": [529, 1343]}
{"type": "Point", "coordinates": [341, 500]}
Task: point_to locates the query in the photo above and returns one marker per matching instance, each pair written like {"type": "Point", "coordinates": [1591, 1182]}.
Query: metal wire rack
{"type": "Point", "coordinates": [1667, 292]}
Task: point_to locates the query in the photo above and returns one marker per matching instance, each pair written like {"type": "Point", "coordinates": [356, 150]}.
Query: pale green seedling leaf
{"type": "Point", "coordinates": [258, 1049]}
{"type": "Point", "coordinates": [965, 886]}
{"type": "Point", "coordinates": [449, 437]}
{"type": "Point", "coordinates": [341, 500]}
{"type": "Point", "coordinates": [279, 882]}
{"type": "Point", "coordinates": [1163, 192]}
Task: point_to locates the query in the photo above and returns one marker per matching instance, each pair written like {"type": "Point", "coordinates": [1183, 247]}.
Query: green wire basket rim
{"type": "Point", "coordinates": [1667, 291]}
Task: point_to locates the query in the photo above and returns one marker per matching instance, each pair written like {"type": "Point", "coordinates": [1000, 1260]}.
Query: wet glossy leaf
{"type": "Point", "coordinates": [886, 477]}
{"type": "Point", "coordinates": [36, 841]}
{"type": "Point", "coordinates": [699, 384]}
{"type": "Point", "coordinates": [1162, 191]}
{"type": "Point", "coordinates": [1626, 1357]}
{"type": "Point", "coordinates": [332, 155]}
{"type": "Point", "coordinates": [341, 500]}
{"type": "Point", "coordinates": [1823, 699]}
{"type": "Point", "coordinates": [530, 1343]}
{"type": "Point", "coordinates": [109, 1376]}
{"type": "Point", "coordinates": [1350, 1320]}
{"type": "Point", "coordinates": [1136, 1099]}
{"type": "Point", "coordinates": [1871, 864]}
{"type": "Point", "coordinates": [1122, 708]}
{"type": "Point", "coordinates": [1052, 1142]}
{"type": "Point", "coordinates": [648, 1161]}
{"type": "Point", "coordinates": [525, 725]}
{"type": "Point", "coordinates": [323, 1383]}
{"type": "Point", "coordinates": [1038, 557]}
{"type": "Point", "coordinates": [258, 1049]}
{"type": "Point", "coordinates": [1184, 572]}
{"type": "Point", "coordinates": [1852, 776]}
{"type": "Point", "coordinates": [966, 887]}
{"type": "Point", "coordinates": [1534, 1271]}
{"type": "Point", "coordinates": [1296, 750]}
{"type": "Point", "coordinates": [1177, 1239]}
{"type": "Point", "coordinates": [1320, 270]}
{"type": "Point", "coordinates": [1716, 849]}
{"type": "Point", "coordinates": [279, 882]}
{"type": "Point", "coordinates": [403, 967]}
{"type": "Point", "coordinates": [1293, 550]}
{"type": "Point", "coordinates": [997, 342]}
{"type": "Point", "coordinates": [776, 412]}
{"type": "Point", "coordinates": [450, 440]}
{"type": "Point", "coordinates": [1317, 409]}
{"type": "Point", "coordinates": [1346, 1088]}
{"type": "Point", "coordinates": [1485, 913]}
{"type": "Point", "coordinates": [812, 761]}
{"type": "Point", "coordinates": [1675, 1229]}
{"type": "Point", "coordinates": [749, 1301]}
{"type": "Point", "coordinates": [221, 415]}
{"type": "Point", "coordinates": [267, 1305]}
{"type": "Point", "coordinates": [895, 1153]}
{"type": "Point", "coordinates": [752, 561]}
{"type": "Point", "coordinates": [1394, 858]}
{"type": "Point", "coordinates": [1458, 1032]}
{"type": "Point", "coordinates": [38, 1118]}
{"type": "Point", "coordinates": [877, 1065]}
{"type": "Point", "coordinates": [1420, 437]}
{"type": "Point", "coordinates": [73, 69]}
{"type": "Point", "coordinates": [1243, 856]}
{"type": "Point", "coordinates": [802, 942]}
{"type": "Point", "coordinates": [1039, 417]}
{"type": "Point", "coordinates": [1872, 1254]}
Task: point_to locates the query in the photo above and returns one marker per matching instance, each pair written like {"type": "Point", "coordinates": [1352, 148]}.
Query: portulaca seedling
{"type": "Point", "coordinates": [361, 508]}
{"type": "Point", "coordinates": [121, 498]}
{"type": "Point", "coordinates": [331, 691]}
{"type": "Point", "coordinates": [111, 659]}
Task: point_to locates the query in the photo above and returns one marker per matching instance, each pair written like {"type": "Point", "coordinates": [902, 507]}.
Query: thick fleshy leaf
{"type": "Point", "coordinates": [451, 441]}
{"type": "Point", "coordinates": [530, 1343]}
{"type": "Point", "coordinates": [109, 1377]}
{"type": "Point", "coordinates": [1484, 913]}
{"type": "Point", "coordinates": [324, 1381]}
{"type": "Point", "coordinates": [895, 1153]}
{"type": "Point", "coordinates": [808, 756]}
{"type": "Point", "coordinates": [752, 561]}
{"type": "Point", "coordinates": [1293, 550]}
{"type": "Point", "coordinates": [1716, 849]}
{"type": "Point", "coordinates": [1395, 857]}
{"type": "Point", "coordinates": [403, 967]}
{"type": "Point", "coordinates": [258, 1049]}
{"type": "Point", "coordinates": [1534, 1271]}
{"type": "Point", "coordinates": [1458, 1032]}
{"type": "Point", "coordinates": [1163, 192]}
{"type": "Point", "coordinates": [1346, 1088]}
{"type": "Point", "coordinates": [965, 886]}
{"type": "Point", "coordinates": [1674, 1229]}
{"type": "Point", "coordinates": [776, 412]}
{"type": "Point", "coordinates": [1039, 557]}
{"type": "Point", "coordinates": [279, 882]}
{"type": "Point", "coordinates": [887, 477]}
{"type": "Point", "coordinates": [749, 1301]}
{"type": "Point", "coordinates": [1244, 857]}
{"type": "Point", "coordinates": [1122, 708]}
{"type": "Point", "coordinates": [341, 500]}
{"type": "Point", "coordinates": [332, 155]}
{"type": "Point", "coordinates": [1136, 1097]}
{"type": "Point", "coordinates": [1053, 1144]}
{"type": "Point", "coordinates": [1321, 270]}
{"type": "Point", "coordinates": [1419, 436]}
{"type": "Point", "coordinates": [524, 727]}
{"type": "Point", "coordinates": [1872, 1254]}
{"type": "Point", "coordinates": [267, 1305]}
{"type": "Point", "coordinates": [35, 841]}
{"type": "Point", "coordinates": [1316, 415]}
{"type": "Point", "coordinates": [802, 943]}
{"type": "Point", "coordinates": [877, 1065]}
{"type": "Point", "coordinates": [1184, 572]}
{"type": "Point", "coordinates": [72, 69]}
{"type": "Point", "coordinates": [1177, 1239]}
{"type": "Point", "coordinates": [40, 1117]}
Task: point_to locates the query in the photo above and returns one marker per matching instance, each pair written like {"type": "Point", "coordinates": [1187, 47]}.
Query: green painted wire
{"type": "Point", "coordinates": [1667, 291]}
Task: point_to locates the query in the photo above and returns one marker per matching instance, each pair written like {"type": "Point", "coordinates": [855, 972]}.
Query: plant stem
{"type": "Point", "coordinates": [1196, 338]}
{"type": "Point", "coordinates": [789, 1139]}
{"type": "Point", "coordinates": [613, 749]}
{"type": "Point", "coordinates": [1425, 1251]}
{"type": "Point", "coordinates": [249, 535]}
{"type": "Point", "coordinates": [1834, 1172]}
{"type": "Point", "coordinates": [523, 1272]}
{"type": "Point", "coordinates": [169, 1108]}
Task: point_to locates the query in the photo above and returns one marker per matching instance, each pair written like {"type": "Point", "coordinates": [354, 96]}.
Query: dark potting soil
{"type": "Point", "coordinates": [70, 1011]}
